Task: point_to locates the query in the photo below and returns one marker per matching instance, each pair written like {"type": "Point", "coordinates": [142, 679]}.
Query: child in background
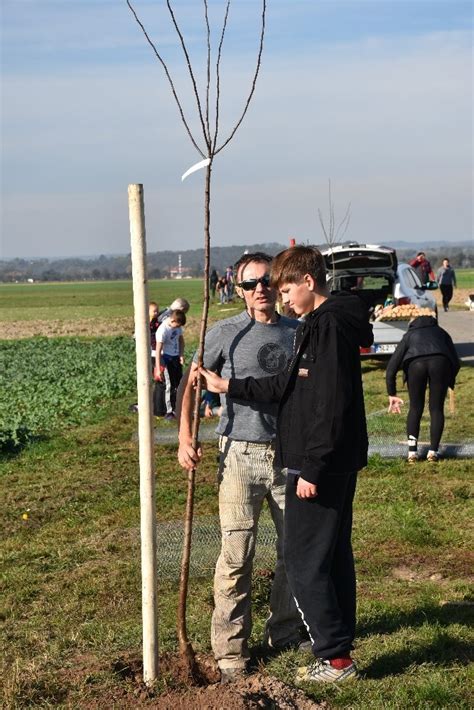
{"type": "Point", "coordinates": [153, 311]}
{"type": "Point", "coordinates": [170, 355]}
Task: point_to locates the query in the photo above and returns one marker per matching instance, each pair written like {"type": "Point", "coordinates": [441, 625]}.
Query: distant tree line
{"type": "Point", "coordinates": [161, 264]}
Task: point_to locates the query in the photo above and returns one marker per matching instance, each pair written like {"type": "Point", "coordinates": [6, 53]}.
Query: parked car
{"type": "Point", "coordinates": [373, 272]}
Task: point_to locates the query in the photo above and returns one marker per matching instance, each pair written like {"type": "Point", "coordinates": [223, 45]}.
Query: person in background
{"type": "Point", "coordinates": [222, 290]}
{"type": "Point", "coordinates": [423, 268]}
{"type": "Point", "coordinates": [257, 341]}
{"type": "Point", "coordinates": [153, 319]}
{"type": "Point", "coordinates": [170, 357]}
{"type": "Point", "coordinates": [229, 274]}
{"type": "Point", "coordinates": [213, 279]}
{"type": "Point", "coordinates": [446, 278]}
{"type": "Point", "coordinates": [210, 405]}
{"type": "Point", "coordinates": [153, 311]}
{"type": "Point", "coordinates": [179, 304]}
{"type": "Point", "coordinates": [427, 355]}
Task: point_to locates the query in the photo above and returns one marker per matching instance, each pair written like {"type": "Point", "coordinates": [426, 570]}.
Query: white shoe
{"type": "Point", "coordinates": [321, 671]}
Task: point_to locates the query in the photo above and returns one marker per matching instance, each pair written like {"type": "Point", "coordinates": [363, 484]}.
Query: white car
{"type": "Point", "coordinates": [373, 272]}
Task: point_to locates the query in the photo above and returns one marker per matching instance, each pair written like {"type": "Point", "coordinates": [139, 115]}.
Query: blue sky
{"type": "Point", "coordinates": [375, 95]}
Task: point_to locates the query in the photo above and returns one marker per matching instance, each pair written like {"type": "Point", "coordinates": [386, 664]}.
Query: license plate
{"type": "Point", "coordinates": [385, 348]}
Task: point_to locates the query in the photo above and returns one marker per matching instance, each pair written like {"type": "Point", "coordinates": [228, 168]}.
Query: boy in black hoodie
{"type": "Point", "coordinates": [322, 443]}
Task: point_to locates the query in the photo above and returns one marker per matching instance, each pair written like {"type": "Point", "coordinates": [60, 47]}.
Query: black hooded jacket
{"type": "Point", "coordinates": [424, 338]}
{"type": "Point", "coordinates": [321, 427]}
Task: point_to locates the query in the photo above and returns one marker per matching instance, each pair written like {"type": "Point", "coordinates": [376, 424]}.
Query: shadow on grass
{"type": "Point", "coordinates": [11, 449]}
{"type": "Point", "coordinates": [442, 651]}
{"type": "Point", "coordinates": [390, 621]}
{"type": "Point", "coordinates": [374, 365]}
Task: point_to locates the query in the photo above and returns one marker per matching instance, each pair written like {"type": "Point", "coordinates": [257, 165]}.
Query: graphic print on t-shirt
{"type": "Point", "coordinates": [272, 358]}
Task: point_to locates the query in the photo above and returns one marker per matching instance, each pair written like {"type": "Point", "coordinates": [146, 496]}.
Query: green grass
{"type": "Point", "coordinates": [71, 573]}
{"type": "Point", "coordinates": [71, 561]}
{"type": "Point", "coordinates": [465, 278]}
{"type": "Point", "coordinates": [109, 299]}
{"type": "Point", "coordinates": [98, 299]}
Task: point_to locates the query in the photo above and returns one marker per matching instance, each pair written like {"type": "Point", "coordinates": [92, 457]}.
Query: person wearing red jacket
{"type": "Point", "coordinates": [423, 268]}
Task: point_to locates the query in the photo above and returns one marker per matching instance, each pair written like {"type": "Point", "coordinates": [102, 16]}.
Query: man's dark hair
{"type": "Point", "coordinates": [291, 265]}
{"type": "Point", "coordinates": [421, 253]}
{"type": "Point", "coordinates": [258, 256]}
{"type": "Point", "coordinates": [178, 316]}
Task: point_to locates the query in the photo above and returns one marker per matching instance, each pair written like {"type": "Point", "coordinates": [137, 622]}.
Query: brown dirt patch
{"type": "Point", "coordinates": [176, 692]}
{"type": "Point", "coordinates": [52, 328]}
{"type": "Point", "coordinates": [92, 327]}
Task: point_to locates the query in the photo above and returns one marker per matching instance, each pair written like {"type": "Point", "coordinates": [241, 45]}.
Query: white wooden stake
{"type": "Point", "coordinates": [145, 435]}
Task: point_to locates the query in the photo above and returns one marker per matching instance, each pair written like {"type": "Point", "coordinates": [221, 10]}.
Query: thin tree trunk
{"type": "Point", "coordinates": [185, 646]}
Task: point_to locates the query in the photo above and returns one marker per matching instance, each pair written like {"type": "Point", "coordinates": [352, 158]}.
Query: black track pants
{"type": "Point", "coordinates": [435, 370]}
{"type": "Point", "coordinates": [319, 562]}
{"type": "Point", "coordinates": [447, 293]}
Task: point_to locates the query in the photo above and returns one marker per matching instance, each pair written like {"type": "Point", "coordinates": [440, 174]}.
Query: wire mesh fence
{"type": "Point", "coordinates": [387, 437]}
{"type": "Point", "coordinates": [205, 547]}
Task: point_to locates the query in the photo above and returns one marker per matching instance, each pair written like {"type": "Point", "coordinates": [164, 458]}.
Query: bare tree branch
{"type": "Point", "coordinates": [218, 77]}
{"type": "Point", "coordinates": [259, 59]}
{"type": "Point", "coordinates": [323, 226]}
{"type": "Point", "coordinates": [344, 224]}
{"type": "Point", "coordinates": [208, 80]}
{"type": "Point", "coordinates": [191, 74]}
{"type": "Point", "coordinates": [168, 76]}
{"type": "Point", "coordinates": [186, 649]}
{"type": "Point", "coordinates": [332, 234]}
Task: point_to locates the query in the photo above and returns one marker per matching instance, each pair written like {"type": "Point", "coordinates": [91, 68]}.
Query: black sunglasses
{"type": "Point", "coordinates": [251, 284]}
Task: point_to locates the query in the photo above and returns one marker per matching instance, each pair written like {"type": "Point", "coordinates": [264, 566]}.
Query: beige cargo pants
{"type": "Point", "coordinates": [246, 478]}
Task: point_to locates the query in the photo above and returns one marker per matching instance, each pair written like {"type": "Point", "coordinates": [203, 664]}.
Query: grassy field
{"type": "Point", "coordinates": [108, 300]}
{"type": "Point", "coordinates": [93, 309]}
{"type": "Point", "coordinates": [71, 606]}
{"type": "Point", "coordinates": [97, 299]}
{"type": "Point", "coordinates": [71, 598]}
{"type": "Point", "coordinates": [465, 278]}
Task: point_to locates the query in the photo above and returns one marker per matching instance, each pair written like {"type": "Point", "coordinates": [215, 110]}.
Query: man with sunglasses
{"type": "Point", "coordinates": [256, 342]}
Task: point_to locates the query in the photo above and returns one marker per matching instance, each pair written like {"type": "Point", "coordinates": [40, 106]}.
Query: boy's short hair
{"type": "Point", "coordinates": [291, 265]}
{"type": "Point", "coordinates": [258, 256]}
{"type": "Point", "coordinates": [153, 303]}
{"type": "Point", "coordinates": [180, 304]}
{"type": "Point", "coordinates": [178, 316]}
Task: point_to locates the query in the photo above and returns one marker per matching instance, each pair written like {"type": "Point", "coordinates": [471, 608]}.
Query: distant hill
{"type": "Point", "coordinates": [163, 264]}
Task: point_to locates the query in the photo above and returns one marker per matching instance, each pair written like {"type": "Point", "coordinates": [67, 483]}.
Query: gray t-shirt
{"type": "Point", "coordinates": [242, 347]}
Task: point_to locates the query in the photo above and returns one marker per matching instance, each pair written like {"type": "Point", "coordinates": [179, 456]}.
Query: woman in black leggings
{"type": "Point", "coordinates": [426, 354]}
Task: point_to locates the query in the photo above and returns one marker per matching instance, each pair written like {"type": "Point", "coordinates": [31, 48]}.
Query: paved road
{"type": "Point", "coordinates": [460, 326]}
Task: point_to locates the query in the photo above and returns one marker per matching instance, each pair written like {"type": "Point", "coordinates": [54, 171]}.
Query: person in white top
{"type": "Point", "coordinates": [169, 358]}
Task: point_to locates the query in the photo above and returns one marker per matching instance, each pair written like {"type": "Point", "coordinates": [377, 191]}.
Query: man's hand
{"type": "Point", "coordinates": [157, 374]}
{"type": "Point", "coordinates": [214, 383]}
{"type": "Point", "coordinates": [304, 489]}
{"type": "Point", "coordinates": [394, 404]}
{"type": "Point", "coordinates": [187, 456]}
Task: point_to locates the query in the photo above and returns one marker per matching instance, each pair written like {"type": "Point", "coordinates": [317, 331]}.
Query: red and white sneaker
{"type": "Point", "coordinates": [321, 671]}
